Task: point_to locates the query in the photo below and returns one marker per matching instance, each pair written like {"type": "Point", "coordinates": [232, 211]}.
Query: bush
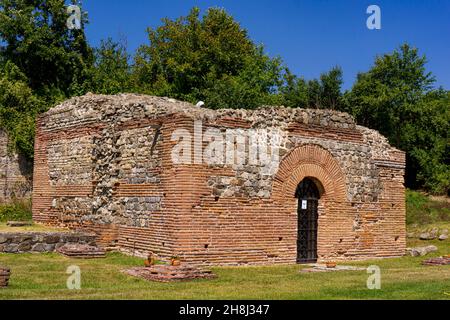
{"type": "Point", "coordinates": [422, 210]}
{"type": "Point", "coordinates": [19, 210]}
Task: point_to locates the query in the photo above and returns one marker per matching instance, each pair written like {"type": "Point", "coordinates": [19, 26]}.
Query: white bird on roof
{"type": "Point", "coordinates": [200, 104]}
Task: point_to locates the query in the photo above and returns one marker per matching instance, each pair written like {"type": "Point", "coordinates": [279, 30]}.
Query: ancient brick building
{"type": "Point", "coordinates": [272, 185]}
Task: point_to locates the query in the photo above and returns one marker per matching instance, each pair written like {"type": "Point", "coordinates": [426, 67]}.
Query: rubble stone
{"type": "Point", "coordinates": [441, 261]}
{"type": "Point", "coordinates": [84, 251]}
{"type": "Point", "coordinates": [15, 173]}
{"type": "Point", "coordinates": [24, 242]}
{"type": "Point", "coordinates": [166, 273]}
{"type": "Point", "coordinates": [427, 236]}
{"type": "Point", "coordinates": [422, 251]}
{"type": "Point", "coordinates": [5, 273]}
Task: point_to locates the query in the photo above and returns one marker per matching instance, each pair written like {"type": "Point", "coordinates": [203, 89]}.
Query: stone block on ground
{"type": "Point", "coordinates": [4, 276]}
{"type": "Point", "coordinates": [166, 273]}
{"type": "Point", "coordinates": [84, 251]}
{"type": "Point", "coordinates": [19, 223]}
{"type": "Point", "coordinates": [421, 251]}
{"type": "Point", "coordinates": [442, 261]}
{"type": "Point", "coordinates": [427, 236]}
{"type": "Point", "coordinates": [323, 268]}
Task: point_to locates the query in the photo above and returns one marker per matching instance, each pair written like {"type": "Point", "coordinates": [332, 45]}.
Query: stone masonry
{"type": "Point", "coordinates": [38, 242]}
{"type": "Point", "coordinates": [105, 164]}
{"type": "Point", "coordinates": [15, 173]}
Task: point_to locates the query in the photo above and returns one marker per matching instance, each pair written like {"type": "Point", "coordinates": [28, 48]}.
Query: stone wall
{"type": "Point", "coordinates": [15, 173]}
{"type": "Point", "coordinates": [105, 164]}
{"type": "Point", "coordinates": [26, 242]}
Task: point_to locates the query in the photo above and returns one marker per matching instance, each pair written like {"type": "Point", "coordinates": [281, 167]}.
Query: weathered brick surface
{"type": "Point", "coordinates": [15, 173]}
{"type": "Point", "coordinates": [104, 164]}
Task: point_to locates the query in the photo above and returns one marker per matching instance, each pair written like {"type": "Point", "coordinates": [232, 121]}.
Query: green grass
{"type": "Point", "coordinates": [33, 227]}
{"type": "Point", "coordinates": [422, 210]}
{"type": "Point", "coordinates": [42, 276]}
{"type": "Point", "coordinates": [17, 210]}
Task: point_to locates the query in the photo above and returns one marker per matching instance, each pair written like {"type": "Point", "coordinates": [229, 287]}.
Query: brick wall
{"type": "Point", "coordinates": [105, 164]}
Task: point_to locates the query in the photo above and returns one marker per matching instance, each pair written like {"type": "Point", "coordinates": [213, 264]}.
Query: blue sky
{"type": "Point", "coordinates": [311, 36]}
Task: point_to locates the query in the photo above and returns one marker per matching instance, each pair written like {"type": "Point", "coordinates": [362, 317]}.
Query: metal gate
{"type": "Point", "coordinates": [308, 201]}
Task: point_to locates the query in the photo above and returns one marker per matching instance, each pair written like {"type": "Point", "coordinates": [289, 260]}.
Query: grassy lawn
{"type": "Point", "coordinates": [34, 227]}
{"type": "Point", "coordinates": [43, 276]}
{"type": "Point", "coordinates": [422, 210]}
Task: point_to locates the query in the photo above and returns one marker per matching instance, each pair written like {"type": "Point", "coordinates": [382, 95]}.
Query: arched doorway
{"type": "Point", "coordinates": [308, 196]}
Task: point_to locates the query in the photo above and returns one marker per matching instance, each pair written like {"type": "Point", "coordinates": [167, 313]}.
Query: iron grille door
{"type": "Point", "coordinates": [308, 201]}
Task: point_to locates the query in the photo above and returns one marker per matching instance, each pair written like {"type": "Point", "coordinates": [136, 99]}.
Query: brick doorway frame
{"type": "Point", "coordinates": [314, 162]}
{"type": "Point", "coordinates": [308, 195]}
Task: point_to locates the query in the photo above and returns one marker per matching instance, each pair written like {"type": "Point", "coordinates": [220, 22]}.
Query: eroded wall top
{"type": "Point", "coordinates": [90, 109]}
{"type": "Point", "coordinates": [359, 150]}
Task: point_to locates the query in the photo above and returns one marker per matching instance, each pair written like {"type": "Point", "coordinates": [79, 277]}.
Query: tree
{"type": "Point", "coordinates": [323, 93]}
{"type": "Point", "coordinates": [383, 97]}
{"type": "Point", "coordinates": [18, 109]}
{"type": "Point", "coordinates": [314, 94]}
{"type": "Point", "coordinates": [210, 59]}
{"type": "Point", "coordinates": [111, 70]}
{"type": "Point", "coordinates": [42, 62]}
{"type": "Point", "coordinates": [425, 135]}
{"type": "Point", "coordinates": [294, 92]}
{"type": "Point", "coordinates": [396, 97]}
{"type": "Point", "coordinates": [36, 39]}
{"type": "Point", "coordinates": [330, 93]}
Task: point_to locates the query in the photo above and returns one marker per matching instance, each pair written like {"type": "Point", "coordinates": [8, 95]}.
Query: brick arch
{"type": "Point", "coordinates": [309, 161]}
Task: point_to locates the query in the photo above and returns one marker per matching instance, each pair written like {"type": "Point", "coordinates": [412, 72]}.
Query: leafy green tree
{"type": "Point", "coordinates": [36, 39]}
{"type": "Point", "coordinates": [42, 62]}
{"type": "Point", "coordinates": [210, 59]}
{"type": "Point", "coordinates": [111, 70]}
{"type": "Point", "coordinates": [294, 92]}
{"type": "Point", "coordinates": [395, 97]}
{"type": "Point", "coordinates": [425, 135]}
{"type": "Point", "coordinates": [255, 85]}
{"type": "Point", "coordinates": [18, 109]}
{"type": "Point", "coordinates": [314, 94]}
{"type": "Point", "coordinates": [331, 85]}
{"type": "Point", "coordinates": [323, 93]}
{"type": "Point", "coordinates": [383, 97]}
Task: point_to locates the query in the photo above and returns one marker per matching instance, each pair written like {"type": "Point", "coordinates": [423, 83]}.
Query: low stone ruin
{"type": "Point", "coordinates": [167, 273]}
{"type": "Point", "coordinates": [433, 234]}
{"type": "Point", "coordinates": [4, 276]}
{"type": "Point", "coordinates": [84, 251]}
{"type": "Point", "coordinates": [443, 237]}
{"type": "Point", "coordinates": [441, 261]}
{"type": "Point", "coordinates": [421, 251]}
{"type": "Point", "coordinates": [323, 268]}
{"type": "Point", "coordinates": [38, 242]}
{"type": "Point", "coordinates": [17, 224]}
